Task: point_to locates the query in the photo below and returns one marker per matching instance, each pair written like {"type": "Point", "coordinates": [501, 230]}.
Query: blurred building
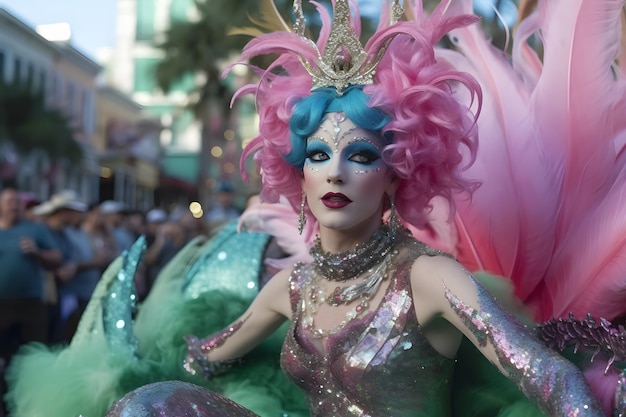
{"type": "Point", "coordinates": [67, 79]}
{"type": "Point", "coordinates": [141, 27]}
{"type": "Point", "coordinates": [73, 90]}
{"type": "Point", "coordinates": [130, 152]}
{"type": "Point", "coordinates": [188, 165]}
{"type": "Point", "coordinates": [121, 152]}
{"type": "Point", "coordinates": [22, 51]}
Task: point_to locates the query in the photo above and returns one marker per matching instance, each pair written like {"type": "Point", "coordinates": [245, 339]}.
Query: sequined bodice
{"type": "Point", "coordinates": [378, 365]}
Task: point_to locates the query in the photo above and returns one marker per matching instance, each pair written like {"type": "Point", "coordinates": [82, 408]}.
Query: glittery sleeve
{"type": "Point", "coordinates": [198, 349]}
{"type": "Point", "coordinates": [543, 375]}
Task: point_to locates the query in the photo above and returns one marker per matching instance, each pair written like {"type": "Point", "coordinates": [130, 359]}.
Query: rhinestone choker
{"type": "Point", "coordinates": [348, 265]}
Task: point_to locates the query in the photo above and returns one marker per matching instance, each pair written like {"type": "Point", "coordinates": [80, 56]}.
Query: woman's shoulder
{"type": "Point", "coordinates": [290, 278]}
{"type": "Point", "coordinates": [276, 294]}
{"type": "Point", "coordinates": [417, 249]}
{"type": "Point", "coordinates": [282, 277]}
{"type": "Point", "coordinates": [285, 287]}
{"type": "Point", "coordinates": [299, 274]}
{"type": "Point", "coordinates": [420, 261]}
{"type": "Point", "coordinates": [431, 266]}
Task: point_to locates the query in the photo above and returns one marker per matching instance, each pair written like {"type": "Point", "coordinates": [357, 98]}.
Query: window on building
{"type": "Point", "coordinates": [145, 20]}
{"type": "Point", "coordinates": [53, 86]}
{"type": "Point", "coordinates": [145, 68]}
{"type": "Point", "coordinates": [17, 70]}
{"type": "Point", "coordinates": [184, 84]}
{"type": "Point", "coordinates": [88, 120]}
{"type": "Point", "coordinates": [70, 99]}
{"type": "Point", "coordinates": [57, 88]}
{"type": "Point", "coordinates": [181, 126]}
{"type": "Point", "coordinates": [30, 74]}
{"type": "Point", "coordinates": [179, 10]}
{"type": "Point", "coordinates": [2, 64]}
{"type": "Point", "coordinates": [80, 108]}
{"type": "Point", "coordinates": [42, 83]}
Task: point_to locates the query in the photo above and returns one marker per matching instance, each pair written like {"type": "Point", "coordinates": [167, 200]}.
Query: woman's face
{"type": "Point", "coordinates": [345, 178]}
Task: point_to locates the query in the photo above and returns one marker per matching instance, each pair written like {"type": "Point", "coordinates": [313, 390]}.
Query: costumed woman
{"type": "Point", "coordinates": [346, 134]}
{"type": "Point", "coordinates": [519, 224]}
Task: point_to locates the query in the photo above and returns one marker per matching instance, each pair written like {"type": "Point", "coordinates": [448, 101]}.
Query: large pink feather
{"type": "Point", "coordinates": [550, 214]}
{"type": "Point", "coordinates": [575, 100]}
{"type": "Point", "coordinates": [326, 25]}
{"type": "Point", "coordinates": [504, 227]}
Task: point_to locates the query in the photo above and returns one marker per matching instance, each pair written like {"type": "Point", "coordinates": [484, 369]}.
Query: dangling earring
{"type": "Point", "coordinates": [302, 216]}
{"type": "Point", "coordinates": [394, 220]}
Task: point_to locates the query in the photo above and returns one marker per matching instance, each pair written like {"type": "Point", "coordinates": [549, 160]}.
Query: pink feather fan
{"type": "Point", "coordinates": [551, 213]}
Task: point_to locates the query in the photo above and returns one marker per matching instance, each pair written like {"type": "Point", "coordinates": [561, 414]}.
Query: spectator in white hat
{"type": "Point", "coordinates": [64, 210]}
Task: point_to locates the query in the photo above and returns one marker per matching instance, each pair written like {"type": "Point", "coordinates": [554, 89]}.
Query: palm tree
{"type": "Point", "coordinates": [197, 49]}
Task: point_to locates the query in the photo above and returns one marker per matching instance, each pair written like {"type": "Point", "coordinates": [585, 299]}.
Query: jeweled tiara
{"type": "Point", "coordinates": [345, 61]}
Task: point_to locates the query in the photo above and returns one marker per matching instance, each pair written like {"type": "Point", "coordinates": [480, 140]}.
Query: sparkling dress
{"type": "Point", "coordinates": [378, 365]}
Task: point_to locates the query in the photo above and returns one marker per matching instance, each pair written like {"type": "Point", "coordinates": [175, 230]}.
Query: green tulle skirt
{"type": "Point", "coordinates": [203, 289]}
{"type": "Point", "coordinates": [207, 286]}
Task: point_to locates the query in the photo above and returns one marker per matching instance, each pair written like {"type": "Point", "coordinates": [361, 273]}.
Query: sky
{"type": "Point", "coordinates": [92, 21]}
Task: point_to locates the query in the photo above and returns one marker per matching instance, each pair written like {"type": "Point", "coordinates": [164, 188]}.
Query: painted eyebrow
{"type": "Point", "coordinates": [311, 141]}
{"type": "Point", "coordinates": [365, 139]}
{"type": "Point", "coordinates": [320, 138]}
{"type": "Point", "coordinates": [355, 139]}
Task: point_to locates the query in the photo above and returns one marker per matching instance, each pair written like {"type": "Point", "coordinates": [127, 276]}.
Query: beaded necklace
{"type": "Point", "coordinates": [348, 265]}
{"type": "Point", "coordinates": [383, 245]}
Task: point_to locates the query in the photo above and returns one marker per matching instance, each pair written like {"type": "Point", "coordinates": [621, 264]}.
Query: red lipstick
{"type": "Point", "coordinates": [335, 200]}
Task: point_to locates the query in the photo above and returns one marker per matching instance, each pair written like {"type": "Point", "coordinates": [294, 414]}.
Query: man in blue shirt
{"type": "Point", "coordinates": [26, 249]}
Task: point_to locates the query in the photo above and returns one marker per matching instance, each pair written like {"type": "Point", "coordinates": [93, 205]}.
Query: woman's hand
{"type": "Point", "coordinates": [221, 351]}
{"type": "Point", "coordinates": [194, 361]}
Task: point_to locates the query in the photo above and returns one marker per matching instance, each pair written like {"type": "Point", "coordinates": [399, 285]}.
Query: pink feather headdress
{"type": "Point", "coordinates": [434, 131]}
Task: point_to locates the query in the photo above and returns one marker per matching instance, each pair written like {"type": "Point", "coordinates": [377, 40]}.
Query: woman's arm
{"type": "Point", "coordinates": [442, 288]}
{"type": "Point", "coordinates": [267, 312]}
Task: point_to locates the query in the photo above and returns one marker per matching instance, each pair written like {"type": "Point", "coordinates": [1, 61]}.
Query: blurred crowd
{"type": "Point", "coordinates": [53, 253]}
